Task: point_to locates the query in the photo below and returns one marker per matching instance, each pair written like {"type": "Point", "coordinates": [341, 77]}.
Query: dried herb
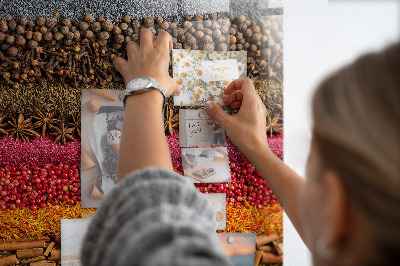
{"type": "Point", "coordinates": [273, 125]}
{"type": "Point", "coordinates": [21, 128]}
{"type": "Point", "coordinates": [60, 99]}
{"type": "Point", "coordinates": [271, 93]}
{"type": "Point", "coordinates": [2, 126]}
{"type": "Point", "coordinates": [27, 223]}
{"type": "Point", "coordinates": [44, 121]}
{"type": "Point", "coordinates": [171, 121]}
{"type": "Point", "coordinates": [76, 123]}
{"type": "Point", "coordinates": [63, 133]}
{"type": "Point", "coordinates": [249, 219]}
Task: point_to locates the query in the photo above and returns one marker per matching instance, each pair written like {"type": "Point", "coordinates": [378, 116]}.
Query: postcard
{"type": "Point", "coordinates": [240, 248]}
{"type": "Point", "coordinates": [206, 165]}
{"type": "Point", "coordinates": [204, 75]}
{"type": "Point", "coordinates": [198, 129]}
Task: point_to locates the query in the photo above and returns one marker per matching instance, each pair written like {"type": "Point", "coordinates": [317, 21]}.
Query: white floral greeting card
{"type": "Point", "coordinates": [204, 75]}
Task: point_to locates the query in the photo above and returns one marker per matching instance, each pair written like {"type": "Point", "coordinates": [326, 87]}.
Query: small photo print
{"type": "Point", "coordinates": [198, 129]}
{"type": "Point", "coordinates": [72, 233]}
{"type": "Point", "coordinates": [206, 165]}
{"type": "Point", "coordinates": [218, 201]}
{"type": "Point", "coordinates": [102, 118]}
{"type": "Point", "coordinates": [240, 248]}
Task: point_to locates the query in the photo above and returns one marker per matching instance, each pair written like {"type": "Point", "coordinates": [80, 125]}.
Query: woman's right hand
{"type": "Point", "coordinates": [247, 128]}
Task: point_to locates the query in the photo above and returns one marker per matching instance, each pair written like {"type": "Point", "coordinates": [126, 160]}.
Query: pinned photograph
{"type": "Point", "coordinates": [198, 129]}
{"type": "Point", "coordinates": [218, 201]}
{"type": "Point", "coordinates": [204, 75]}
{"type": "Point", "coordinates": [240, 248]}
{"type": "Point", "coordinates": [102, 117]}
{"type": "Point", "coordinates": [206, 165]}
{"type": "Point", "coordinates": [72, 233]}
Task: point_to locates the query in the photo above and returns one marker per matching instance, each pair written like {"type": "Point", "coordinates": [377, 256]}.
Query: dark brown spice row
{"type": "Point", "coordinates": [81, 52]}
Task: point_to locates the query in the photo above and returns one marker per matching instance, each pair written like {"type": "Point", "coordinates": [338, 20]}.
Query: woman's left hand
{"type": "Point", "coordinates": [150, 59]}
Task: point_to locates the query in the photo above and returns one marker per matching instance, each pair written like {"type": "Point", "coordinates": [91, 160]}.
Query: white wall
{"type": "Point", "coordinates": [321, 36]}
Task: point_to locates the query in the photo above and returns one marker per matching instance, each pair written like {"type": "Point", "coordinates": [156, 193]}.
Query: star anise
{"type": "Point", "coordinates": [45, 121]}
{"type": "Point", "coordinates": [21, 128]}
{"type": "Point", "coordinates": [76, 123]}
{"type": "Point", "coordinates": [2, 130]}
{"type": "Point", "coordinates": [171, 121]}
{"type": "Point", "coordinates": [273, 125]}
{"type": "Point", "coordinates": [63, 133]}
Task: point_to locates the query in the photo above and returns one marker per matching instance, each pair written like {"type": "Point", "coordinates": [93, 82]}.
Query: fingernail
{"type": "Point", "coordinates": [209, 106]}
{"type": "Point", "coordinates": [179, 90]}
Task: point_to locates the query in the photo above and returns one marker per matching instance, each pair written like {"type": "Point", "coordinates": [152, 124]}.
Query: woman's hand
{"type": "Point", "coordinates": [246, 128]}
{"type": "Point", "coordinates": [150, 59]}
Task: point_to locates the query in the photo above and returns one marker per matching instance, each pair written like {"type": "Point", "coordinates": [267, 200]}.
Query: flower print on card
{"type": "Point", "coordinates": [204, 75]}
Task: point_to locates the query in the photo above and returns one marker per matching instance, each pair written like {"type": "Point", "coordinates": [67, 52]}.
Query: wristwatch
{"type": "Point", "coordinates": [142, 84]}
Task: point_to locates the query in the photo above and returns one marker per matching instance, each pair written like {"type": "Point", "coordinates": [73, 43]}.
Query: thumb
{"type": "Point", "coordinates": [218, 113]}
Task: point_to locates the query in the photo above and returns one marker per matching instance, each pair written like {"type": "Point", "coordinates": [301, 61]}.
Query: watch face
{"type": "Point", "coordinates": [140, 83]}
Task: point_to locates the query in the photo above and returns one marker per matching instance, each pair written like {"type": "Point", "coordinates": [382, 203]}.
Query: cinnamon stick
{"type": "Point", "coordinates": [10, 260]}
{"type": "Point", "coordinates": [257, 258]}
{"type": "Point", "coordinates": [55, 255]}
{"type": "Point", "coordinates": [20, 240]}
{"type": "Point", "coordinates": [29, 253]}
{"type": "Point", "coordinates": [267, 249]}
{"type": "Point", "coordinates": [49, 248]}
{"type": "Point", "coordinates": [271, 258]}
{"type": "Point", "coordinates": [265, 239]}
{"type": "Point", "coordinates": [22, 245]}
{"type": "Point", "coordinates": [43, 263]}
{"type": "Point", "coordinates": [278, 244]}
{"type": "Point", "coordinates": [38, 258]}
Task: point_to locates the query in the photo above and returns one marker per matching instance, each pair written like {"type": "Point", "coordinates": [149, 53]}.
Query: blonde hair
{"type": "Point", "coordinates": [356, 130]}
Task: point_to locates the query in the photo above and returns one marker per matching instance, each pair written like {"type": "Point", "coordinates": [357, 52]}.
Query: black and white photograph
{"type": "Point", "coordinates": [102, 117]}
{"type": "Point", "coordinates": [198, 129]}
{"type": "Point", "coordinates": [206, 165]}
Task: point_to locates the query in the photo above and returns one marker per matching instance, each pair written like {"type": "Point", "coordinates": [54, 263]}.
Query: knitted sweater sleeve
{"type": "Point", "coordinates": [153, 217]}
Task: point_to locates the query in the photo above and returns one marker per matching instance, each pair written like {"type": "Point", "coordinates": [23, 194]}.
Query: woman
{"type": "Point", "coordinates": [347, 210]}
{"type": "Point", "coordinates": [217, 130]}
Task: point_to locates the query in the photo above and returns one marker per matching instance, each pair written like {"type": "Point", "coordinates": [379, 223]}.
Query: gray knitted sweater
{"type": "Point", "coordinates": [153, 217]}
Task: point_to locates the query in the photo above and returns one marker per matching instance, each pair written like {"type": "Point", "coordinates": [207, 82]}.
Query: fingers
{"type": "Point", "coordinates": [234, 99]}
{"type": "Point", "coordinates": [146, 40]}
{"type": "Point", "coordinates": [164, 41]}
{"type": "Point", "coordinates": [131, 48]}
{"type": "Point", "coordinates": [120, 64]}
{"type": "Point", "coordinates": [218, 113]}
{"type": "Point", "coordinates": [245, 85]}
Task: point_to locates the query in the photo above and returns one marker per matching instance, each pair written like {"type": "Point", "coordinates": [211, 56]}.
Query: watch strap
{"type": "Point", "coordinates": [153, 85]}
